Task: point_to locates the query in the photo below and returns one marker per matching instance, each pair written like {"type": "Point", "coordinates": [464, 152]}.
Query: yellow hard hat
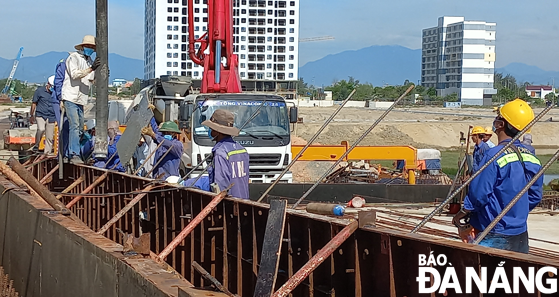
{"type": "Point", "coordinates": [517, 113]}
{"type": "Point", "coordinates": [477, 130]}
{"type": "Point", "coordinates": [488, 130]}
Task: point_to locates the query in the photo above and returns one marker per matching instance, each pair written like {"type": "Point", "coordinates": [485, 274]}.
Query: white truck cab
{"type": "Point", "coordinates": [266, 136]}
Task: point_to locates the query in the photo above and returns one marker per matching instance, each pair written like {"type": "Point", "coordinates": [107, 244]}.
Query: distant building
{"type": "Point", "coordinates": [538, 91]}
{"type": "Point", "coordinates": [458, 56]}
{"type": "Point", "coordinates": [117, 82]}
{"type": "Point", "coordinates": [265, 37]}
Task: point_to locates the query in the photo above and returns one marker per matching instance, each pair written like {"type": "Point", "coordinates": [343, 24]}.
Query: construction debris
{"type": "Point", "coordinates": [363, 172]}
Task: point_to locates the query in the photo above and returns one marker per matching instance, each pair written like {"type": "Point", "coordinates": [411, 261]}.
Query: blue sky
{"type": "Point", "coordinates": [526, 30]}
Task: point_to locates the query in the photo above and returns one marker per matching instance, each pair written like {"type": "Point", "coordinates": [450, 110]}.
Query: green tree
{"type": "Point", "coordinates": [451, 97]}
{"type": "Point", "coordinates": [431, 92]}
{"type": "Point", "coordinates": [420, 90]}
{"type": "Point", "coordinates": [302, 87]}
{"type": "Point", "coordinates": [136, 86]}
{"type": "Point", "coordinates": [342, 89]}
{"type": "Point", "coordinates": [505, 94]}
{"type": "Point", "coordinates": [551, 97]}
{"type": "Point", "coordinates": [364, 92]}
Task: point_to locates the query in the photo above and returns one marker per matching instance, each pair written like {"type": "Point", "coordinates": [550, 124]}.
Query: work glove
{"type": "Point", "coordinates": [96, 64]}
{"type": "Point", "coordinates": [151, 106]}
{"type": "Point", "coordinates": [148, 131]}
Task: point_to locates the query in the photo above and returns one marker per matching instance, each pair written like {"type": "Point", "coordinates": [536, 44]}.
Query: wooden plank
{"type": "Point", "coordinates": [273, 238]}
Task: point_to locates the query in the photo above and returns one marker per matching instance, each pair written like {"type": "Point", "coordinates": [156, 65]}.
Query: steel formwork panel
{"type": "Point", "coordinates": [228, 243]}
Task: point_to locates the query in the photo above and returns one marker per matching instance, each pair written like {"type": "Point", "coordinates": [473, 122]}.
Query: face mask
{"type": "Point", "coordinates": [210, 134]}
{"type": "Point", "coordinates": [88, 51]}
{"type": "Point", "coordinates": [51, 88]}
{"type": "Point", "coordinates": [168, 137]}
{"type": "Point", "coordinates": [494, 129]}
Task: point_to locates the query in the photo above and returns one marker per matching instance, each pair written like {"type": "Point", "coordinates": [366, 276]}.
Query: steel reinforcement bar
{"type": "Point", "coordinates": [228, 242]}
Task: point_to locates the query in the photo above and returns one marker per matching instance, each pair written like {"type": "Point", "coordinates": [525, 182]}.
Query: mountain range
{"type": "Point", "coordinates": [37, 69]}
{"type": "Point", "coordinates": [393, 65]}
{"type": "Point", "coordinates": [379, 65]}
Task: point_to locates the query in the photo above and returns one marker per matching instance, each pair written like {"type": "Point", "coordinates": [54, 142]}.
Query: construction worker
{"type": "Point", "coordinates": [43, 114]}
{"type": "Point", "coordinates": [75, 90]}
{"type": "Point", "coordinates": [230, 163]}
{"type": "Point", "coordinates": [112, 161]}
{"type": "Point", "coordinates": [168, 164]}
{"type": "Point", "coordinates": [478, 134]}
{"type": "Point", "coordinates": [88, 140]}
{"type": "Point", "coordinates": [140, 155]}
{"type": "Point", "coordinates": [527, 142]}
{"type": "Point", "coordinates": [487, 138]}
{"type": "Point", "coordinates": [503, 179]}
{"type": "Point", "coordinates": [56, 99]}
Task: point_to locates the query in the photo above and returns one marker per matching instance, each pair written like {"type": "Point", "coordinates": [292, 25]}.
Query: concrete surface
{"type": "Point", "coordinates": [541, 227]}
{"type": "Point", "coordinates": [47, 254]}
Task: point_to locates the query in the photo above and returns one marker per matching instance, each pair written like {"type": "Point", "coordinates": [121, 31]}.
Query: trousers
{"type": "Point", "coordinates": [44, 125]}
{"type": "Point", "coordinates": [74, 112]}
{"type": "Point", "coordinates": [515, 243]}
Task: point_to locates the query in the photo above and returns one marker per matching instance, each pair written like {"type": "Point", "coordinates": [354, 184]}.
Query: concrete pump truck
{"type": "Point", "coordinates": [266, 136]}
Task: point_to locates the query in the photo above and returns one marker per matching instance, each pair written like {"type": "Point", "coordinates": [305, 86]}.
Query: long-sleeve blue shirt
{"type": "Point", "coordinates": [497, 185]}
{"type": "Point", "coordinates": [112, 153]}
{"type": "Point", "coordinates": [479, 152]}
{"type": "Point", "coordinates": [230, 165]}
{"type": "Point", "coordinates": [170, 165]}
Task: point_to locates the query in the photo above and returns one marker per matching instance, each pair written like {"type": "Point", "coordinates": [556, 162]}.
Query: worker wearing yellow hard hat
{"type": "Point", "coordinates": [478, 135]}
{"type": "Point", "coordinates": [502, 180]}
{"type": "Point", "coordinates": [487, 138]}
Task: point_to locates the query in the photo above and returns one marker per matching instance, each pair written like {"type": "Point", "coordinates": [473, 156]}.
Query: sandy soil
{"type": "Point", "coordinates": [420, 127]}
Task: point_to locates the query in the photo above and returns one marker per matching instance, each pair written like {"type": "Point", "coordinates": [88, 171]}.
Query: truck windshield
{"type": "Point", "coordinates": [271, 120]}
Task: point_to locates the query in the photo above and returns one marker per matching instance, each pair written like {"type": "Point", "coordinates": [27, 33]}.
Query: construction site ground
{"type": "Point", "coordinates": [544, 241]}
{"type": "Point", "coordinates": [421, 127]}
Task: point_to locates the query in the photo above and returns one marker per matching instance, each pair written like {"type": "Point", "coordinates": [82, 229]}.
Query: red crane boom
{"type": "Point", "coordinates": [219, 76]}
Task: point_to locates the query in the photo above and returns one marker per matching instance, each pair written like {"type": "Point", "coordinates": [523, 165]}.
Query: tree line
{"type": "Point", "coordinates": [507, 89]}
{"type": "Point", "coordinates": [19, 88]}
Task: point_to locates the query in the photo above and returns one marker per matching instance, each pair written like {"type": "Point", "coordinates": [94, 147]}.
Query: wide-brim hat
{"type": "Point", "coordinates": [87, 40]}
{"type": "Point", "coordinates": [222, 121]}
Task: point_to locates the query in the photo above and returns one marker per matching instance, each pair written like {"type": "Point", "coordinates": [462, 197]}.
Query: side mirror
{"type": "Point", "coordinates": [293, 115]}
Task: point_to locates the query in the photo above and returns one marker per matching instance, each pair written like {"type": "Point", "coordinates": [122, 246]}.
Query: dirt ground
{"type": "Point", "coordinates": [419, 127]}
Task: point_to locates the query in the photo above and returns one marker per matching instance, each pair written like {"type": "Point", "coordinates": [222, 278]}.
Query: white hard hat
{"type": "Point", "coordinates": [51, 80]}
{"type": "Point", "coordinates": [173, 179]}
{"type": "Point", "coordinates": [90, 124]}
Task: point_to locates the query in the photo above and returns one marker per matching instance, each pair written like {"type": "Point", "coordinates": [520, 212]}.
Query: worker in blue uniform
{"type": "Point", "coordinates": [113, 160]}
{"type": "Point", "coordinates": [230, 162]}
{"type": "Point", "coordinates": [503, 179]}
{"type": "Point", "coordinates": [63, 126]}
{"type": "Point", "coordinates": [169, 164]}
{"type": "Point", "coordinates": [478, 135]}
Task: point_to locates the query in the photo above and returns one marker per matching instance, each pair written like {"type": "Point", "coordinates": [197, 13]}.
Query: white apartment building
{"type": "Point", "coordinates": [266, 37]}
{"type": "Point", "coordinates": [459, 57]}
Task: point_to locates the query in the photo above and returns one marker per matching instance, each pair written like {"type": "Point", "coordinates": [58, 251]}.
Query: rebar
{"type": "Point", "coordinates": [477, 173]}
{"type": "Point", "coordinates": [315, 136]}
{"type": "Point", "coordinates": [496, 220]}
{"type": "Point", "coordinates": [353, 146]}
{"type": "Point", "coordinates": [252, 116]}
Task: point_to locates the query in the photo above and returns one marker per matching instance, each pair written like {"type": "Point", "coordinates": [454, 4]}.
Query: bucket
{"type": "Point", "coordinates": [454, 208]}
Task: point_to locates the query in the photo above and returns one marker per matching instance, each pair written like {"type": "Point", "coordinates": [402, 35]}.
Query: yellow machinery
{"type": "Point", "coordinates": [333, 152]}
